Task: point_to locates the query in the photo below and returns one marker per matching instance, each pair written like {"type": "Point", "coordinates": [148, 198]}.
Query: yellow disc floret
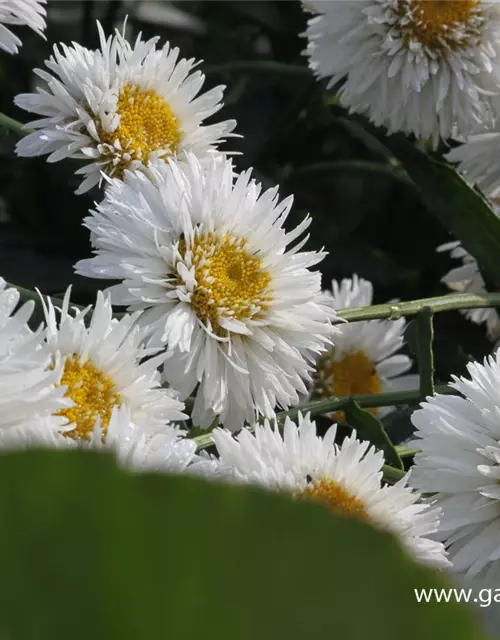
{"type": "Point", "coordinates": [94, 396]}
{"type": "Point", "coordinates": [336, 498]}
{"type": "Point", "coordinates": [440, 24]}
{"type": "Point", "coordinates": [230, 280]}
{"type": "Point", "coordinates": [147, 124]}
{"type": "Point", "coordinates": [354, 374]}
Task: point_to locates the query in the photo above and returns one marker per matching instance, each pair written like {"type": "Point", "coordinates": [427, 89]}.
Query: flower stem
{"type": "Point", "coordinates": [396, 310]}
{"type": "Point", "coordinates": [320, 407]}
{"type": "Point", "coordinates": [391, 398]}
{"type": "Point", "coordinates": [404, 451]}
{"type": "Point", "coordinates": [12, 125]}
{"type": "Point", "coordinates": [391, 474]}
{"type": "Point", "coordinates": [425, 354]}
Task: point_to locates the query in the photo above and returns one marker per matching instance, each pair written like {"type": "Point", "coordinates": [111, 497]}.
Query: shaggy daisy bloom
{"type": "Point", "coordinates": [136, 448]}
{"type": "Point", "coordinates": [106, 366]}
{"type": "Point", "coordinates": [479, 161]}
{"type": "Point", "coordinates": [28, 375]}
{"type": "Point", "coordinates": [364, 359]}
{"type": "Point", "coordinates": [120, 107]}
{"type": "Point", "coordinates": [426, 67]}
{"type": "Point", "coordinates": [344, 478]}
{"type": "Point", "coordinates": [30, 13]}
{"type": "Point", "coordinates": [468, 279]}
{"type": "Point", "coordinates": [459, 461]}
{"type": "Point", "coordinates": [205, 253]}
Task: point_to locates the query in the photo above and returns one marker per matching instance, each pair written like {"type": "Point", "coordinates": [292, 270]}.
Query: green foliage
{"type": "Point", "coordinates": [88, 551]}
{"type": "Point", "coordinates": [370, 428]}
{"type": "Point", "coordinates": [463, 211]}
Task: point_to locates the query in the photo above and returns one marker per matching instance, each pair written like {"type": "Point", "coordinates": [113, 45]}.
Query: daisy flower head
{"type": "Point", "coordinates": [467, 278]}
{"type": "Point", "coordinates": [459, 462]}
{"type": "Point", "coordinates": [120, 107]}
{"type": "Point", "coordinates": [364, 358]}
{"type": "Point", "coordinates": [478, 160]}
{"type": "Point", "coordinates": [136, 448]}
{"type": "Point", "coordinates": [427, 67]}
{"type": "Point", "coordinates": [346, 478]}
{"type": "Point", "coordinates": [205, 253]}
{"type": "Point", "coordinates": [106, 365]}
{"type": "Point", "coordinates": [28, 375]}
{"type": "Point", "coordinates": [30, 13]}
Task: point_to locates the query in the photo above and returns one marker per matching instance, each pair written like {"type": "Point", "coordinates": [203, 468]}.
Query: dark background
{"type": "Point", "coordinates": [367, 216]}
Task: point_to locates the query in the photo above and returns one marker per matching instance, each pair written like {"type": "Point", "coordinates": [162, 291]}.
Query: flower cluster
{"type": "Point", "coordinates": [226, 323]}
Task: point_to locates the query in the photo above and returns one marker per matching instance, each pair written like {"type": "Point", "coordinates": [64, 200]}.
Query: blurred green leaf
{"type": "Point", "coordinates": [88, 551]}
{"type": "Point", "coordinates": [370, 428]}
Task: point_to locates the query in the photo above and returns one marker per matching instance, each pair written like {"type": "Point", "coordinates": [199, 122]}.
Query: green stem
{"type": "Point", "coordinates": [204, 441]}
{"type": "Point", "coordinates": [425, 356]}
{"type": "Point", "coordinates": [25, 294]}
{"type": "Point", "coordinates": [395, 310]}
{"type": "Point", "coordinates": [12, 125]}
{"type": "Point", "coordinates": [391, 474]}
{"type": "Point", "coordinates": [391, 398]}
{"type": "Point", "coordinates": [404, 451]}
{"type": "Point", "coordinates": [321, 407]}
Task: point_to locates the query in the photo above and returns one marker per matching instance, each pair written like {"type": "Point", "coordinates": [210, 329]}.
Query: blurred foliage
{"type": "Point", "coordinates": [366, 213]}
{"type": "Point", "coordinates": [88, 551]}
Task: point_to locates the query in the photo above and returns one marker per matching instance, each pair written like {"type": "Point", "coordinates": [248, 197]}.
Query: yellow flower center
{"type": "Point", "coordinates": [440, 24]}
{"type": "Point", "coordinates": [355, 374]}
{"type": "Point", "coordinates": [147, 124]}
{"type": "Point", "coordinates": [230, 281]}
{"type": "Point", "coordinates": [335, 498]}
{"type": "Point", "coordinates": [93, 393]}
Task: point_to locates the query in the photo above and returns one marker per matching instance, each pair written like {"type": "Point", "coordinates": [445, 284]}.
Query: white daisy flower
{"type": "Point", "coordinates": [364, 359]}
{"type": "Point", "coordinates": [30, 13]}
{"type": "Point", "coordinates": [417, 66]}
{"type": "Point", "coordinates": [479, 160]}
{"type": "Point", "coordinates": [136, 448]}
{"type": "Point", "coordinates": [468, 279]}
{"type": "Point", "coordinates": [206, 255]}
{"type": "Point", "coordinates": [459, 440]}
{"type": "Point", "coordinates": [106, 365]}
{"type": "Point", "coordinates": [345, 478]}
{"type": "Point", "coordinates": [28, 374]}
{"type": "Point", "coordinates": [120, 107]}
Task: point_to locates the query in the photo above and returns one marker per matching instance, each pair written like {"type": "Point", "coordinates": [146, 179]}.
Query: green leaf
{"type": "Point", "coordinates": [374, 170]}
{"type": "Point", "coordinates": [461, 209]}
{"type": "Point", "coordinates": [398, 425]}
{"type": "Point", "coordinates": [370, 428]}
{"type": "Point", "coordinates": [88, 551]}
{"type": "Point", "coordinates": [260, 67]}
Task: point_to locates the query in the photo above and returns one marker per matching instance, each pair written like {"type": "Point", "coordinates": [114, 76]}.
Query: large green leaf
{"type": "Point", "coordinates": [460, 208]}
{"type": "Point", "coordinates": [87, 551]}
{"type": "Point", "coordinates": [370, 428]}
